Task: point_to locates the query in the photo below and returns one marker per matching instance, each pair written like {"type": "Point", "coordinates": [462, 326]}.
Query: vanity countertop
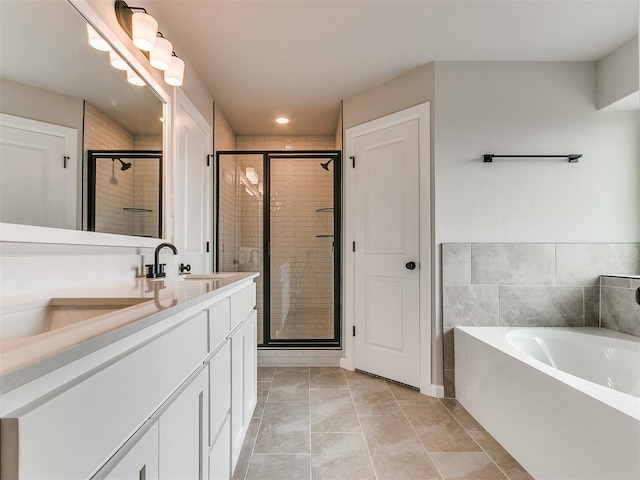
{"type": "Point", "coordinates": [25, 358]}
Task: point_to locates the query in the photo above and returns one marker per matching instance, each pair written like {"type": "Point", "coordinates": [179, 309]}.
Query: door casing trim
{"type": "Point", "coordinates": [420, 112]}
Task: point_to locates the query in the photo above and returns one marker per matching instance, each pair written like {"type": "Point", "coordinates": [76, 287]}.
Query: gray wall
{"type": "Point", "coordinates": [525, 284]}
{"type": "Point", "coordinates": [619, 309]}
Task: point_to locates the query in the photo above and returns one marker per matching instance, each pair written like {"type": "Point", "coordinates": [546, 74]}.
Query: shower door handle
{"type": "Point", "coordinates": [410, 265]}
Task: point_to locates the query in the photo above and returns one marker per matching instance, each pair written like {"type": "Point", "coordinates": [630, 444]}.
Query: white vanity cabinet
{"type": "Point", "coordinates": [243, 380]}
{"type": "Point", "coordinates": [164, 408]}
{"type": "Point", "coordinates": [137, 459]}
{"type": "Point", "coordinates": [183, 420]}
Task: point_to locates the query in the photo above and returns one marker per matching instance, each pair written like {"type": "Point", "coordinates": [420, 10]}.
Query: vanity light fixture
{"type": "Point", "coordinates": [143, 30]}
{"type": "Point", "coordinates": [160, 57]}
{"type": "Point", "coordinates": [282, 120]}
{"type": "Point", "coordinates": [134, 79]}
{"type": "Point", "coordinates": [117, 62]}
{"type": "Point", "coordinates": [96, 40]}
{"type": "Point", "coordinates": [174, 75]}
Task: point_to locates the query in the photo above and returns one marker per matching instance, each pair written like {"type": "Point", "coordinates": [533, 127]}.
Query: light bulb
{"type": "Point", "coordinates": [134, 79]}
{"type": "Point", "coordinates": [96, 40]}
{"type": "Point", "coordinates": [174, 75]}
{"type": "Point", "coordinates": [117, 62]}
{"type": "Point", "coordinates": [160, 56]}
{"type": "Point", "coordinates": [282, 120]}
{"type": "Point", "coordinates": [144, 31]}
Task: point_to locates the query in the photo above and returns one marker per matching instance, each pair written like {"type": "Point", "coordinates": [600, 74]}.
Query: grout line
{"type": "Point", "coordinates": [366, 444]}
{"type": "Point", "coordinates": [478, 443]}
{"type": "Point", "coordinates": [417, 436]}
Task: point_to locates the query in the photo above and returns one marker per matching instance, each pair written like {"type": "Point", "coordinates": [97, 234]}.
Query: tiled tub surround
{"type": "Point", "coordinates": [619, 309]}
{"type": "Point", "coordinates": [333, 424]}
{"type": "Point", "coordinates": [563, 401]}
{"type": "Point", "coordinates": [525, 284]}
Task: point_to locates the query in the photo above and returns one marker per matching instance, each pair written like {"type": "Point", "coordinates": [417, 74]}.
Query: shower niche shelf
{"type": "Point", "coordinates": [137, 209]}
{"type": "Point", "coordinates": [324, 210]}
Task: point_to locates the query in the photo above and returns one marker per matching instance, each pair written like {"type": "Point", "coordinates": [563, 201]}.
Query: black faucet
{"type": "Point", "coordinates": [156, 270]}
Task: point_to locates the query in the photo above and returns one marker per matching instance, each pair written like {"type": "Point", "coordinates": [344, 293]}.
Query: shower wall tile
{"type": "Point", "coordinates": [470, 305]}
{"type": "Point", "coordinates": [456, 264]}
{"type": "Point", "coordinates": [541, 306]}
{"type": "Point", "coordinates": [582, 264]}
{"type": "Point", "coordinates": [513, 264]}
{"type": "Point", "coordinates": [591, 306]}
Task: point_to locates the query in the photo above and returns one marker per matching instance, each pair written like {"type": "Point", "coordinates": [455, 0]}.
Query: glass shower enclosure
{"type": "Point", "coordinates": [278, 213]}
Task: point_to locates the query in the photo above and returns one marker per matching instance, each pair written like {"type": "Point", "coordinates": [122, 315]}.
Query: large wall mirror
{"type": "Point", "coordinates": [59, 100]}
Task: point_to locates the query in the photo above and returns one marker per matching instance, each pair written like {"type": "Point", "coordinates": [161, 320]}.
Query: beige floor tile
{"type": "Point", "coordinates": [327, 378]}
{"type": "Point", "coordinates": [501, 457]}
{"type": "Point", "coordinates": [373, 397]}
{"type": "Point", "coordinates": [263, 393]}
{"type": "Point", "coordinates": [246, 451]}
{"type": "Point", "coordinates": [289, 387]}
{"type": "Point", "coordinates": [340, 456]}
{"type": "Point", "coordinates": [265, 374]}
{"type": "Point", "coordinates": [395, 450]}
{"type": "Point", "coordinates": [466, 466]}
{"type": "Point", "coordinates": [353, 375]}
{"type": "Point", "coordinates": [333, 411]}
{"type": "Point", "coordinates": [290, 370]}
{"type": "Point", "coordinates": [279, 467]}
{"type": "Point", "coordinates": [468, 422]}
{"type": "Point", "coordinates": [438, 430]}
{"type": "Point", "coordinates": [406, 394]}
{"type": "Point", "coordinates": [284, 428]}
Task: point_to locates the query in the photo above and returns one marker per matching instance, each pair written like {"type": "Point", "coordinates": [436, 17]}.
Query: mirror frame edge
{"type": "Point", "coordinates": [34, 234]}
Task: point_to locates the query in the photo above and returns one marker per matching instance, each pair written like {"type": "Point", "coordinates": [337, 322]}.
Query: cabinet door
{"type": "Point", "coordinates": [137, 459]}
{"type": "Point", "coordinates": [220, 456]}
{"type": "Point", "coordinates": [219, 389]}
{"type": "Point", "coordinates": [183, 423]}
{"type": "Point", "coordinates": [243, 381]}
{"type": "Point", "coordinates": [250, 364]}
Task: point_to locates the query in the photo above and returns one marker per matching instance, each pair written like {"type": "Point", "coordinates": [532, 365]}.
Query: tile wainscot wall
{"type": "Point", "coordinates": [526, 284]}
{"type": "Point", "coordinates": [619, 308]}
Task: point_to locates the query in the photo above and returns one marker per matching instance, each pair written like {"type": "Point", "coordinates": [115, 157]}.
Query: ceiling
{"type": "Point", "coordinates": [261, 58]}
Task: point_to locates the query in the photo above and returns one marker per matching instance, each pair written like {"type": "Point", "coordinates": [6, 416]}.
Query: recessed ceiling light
{"type": "Point", "coordinates": [282, 120]}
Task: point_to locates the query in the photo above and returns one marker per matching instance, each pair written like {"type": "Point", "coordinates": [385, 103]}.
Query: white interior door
{"type": "Point", "coordinates": [386, 191]}
{"type": "Point", "coordinates": [193, 189]}
{"type": "Point", "coordinates": [38, 172]}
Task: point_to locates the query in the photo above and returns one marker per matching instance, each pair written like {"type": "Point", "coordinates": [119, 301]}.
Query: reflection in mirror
{"type": "Point", "coordinates": [125, 192]}
{"type": "Point", "coordinates": [51, 75]}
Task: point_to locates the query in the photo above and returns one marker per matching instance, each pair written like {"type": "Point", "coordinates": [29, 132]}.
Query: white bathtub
{"type": "Point", "coordinates": [563, 401]}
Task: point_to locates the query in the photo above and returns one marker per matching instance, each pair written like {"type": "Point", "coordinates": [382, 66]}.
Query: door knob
{"type": "Point", "coordinates": [411, 265]}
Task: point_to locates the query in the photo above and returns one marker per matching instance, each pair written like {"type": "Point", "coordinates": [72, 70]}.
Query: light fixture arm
{"type": "Point", "coordinates": [124, 13]}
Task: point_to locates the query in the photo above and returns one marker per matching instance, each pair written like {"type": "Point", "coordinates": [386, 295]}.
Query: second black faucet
{"type": "Point", "coordinates": [156, 270]}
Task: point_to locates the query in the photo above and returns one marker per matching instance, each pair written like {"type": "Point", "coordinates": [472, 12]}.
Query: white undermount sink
{"type": "Point", "coordinates": [60, 312]}
{"type": "Point", "coordinates": [209, 276]}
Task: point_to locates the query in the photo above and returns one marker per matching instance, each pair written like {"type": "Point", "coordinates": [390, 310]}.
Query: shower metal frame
{"type": "Point", "coordinates": [267, 156]}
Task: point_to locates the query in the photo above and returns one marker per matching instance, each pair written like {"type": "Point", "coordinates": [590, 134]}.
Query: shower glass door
{"type": "Point", "coordinates": [278, 214]}
{"type": "Point", "coordinates": [303, 249]}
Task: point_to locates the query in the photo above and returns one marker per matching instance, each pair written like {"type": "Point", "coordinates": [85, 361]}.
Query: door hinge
{"type": "Point", "coordinates": [354, 330]}
{"type": "Point", "coordinates": [209, 159]}
{"type": "Point", "coordinates": [66, 159]}
{"type": "Point", "coordinates": [353, 247]}
{"type": "Point", "coordinates": [207, 247]}
{"type": "Point", "coordinates": [353, 162]}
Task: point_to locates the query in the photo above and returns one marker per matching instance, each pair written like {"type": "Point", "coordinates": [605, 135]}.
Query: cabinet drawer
{"type": "Point", "coordinates": [220, 389]}
{"type": "Point", "coordinates": [242, 302]}
{"type": "Point", "coordinates": [81, 416]}
{"type": "Point", "coordinates": [219, 322]}
{"type": "Point", "coordinates": [138, 458]}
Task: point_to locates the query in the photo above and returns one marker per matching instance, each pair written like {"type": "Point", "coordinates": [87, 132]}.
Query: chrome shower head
{"type": "Point", "coordinates": [325, 165]}
{"type": "Point", "coordinates": [125, 165]}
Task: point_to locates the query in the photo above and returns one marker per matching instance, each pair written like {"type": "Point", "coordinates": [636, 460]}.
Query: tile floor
{"type": "Point", "coordinates": [333, 424]}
